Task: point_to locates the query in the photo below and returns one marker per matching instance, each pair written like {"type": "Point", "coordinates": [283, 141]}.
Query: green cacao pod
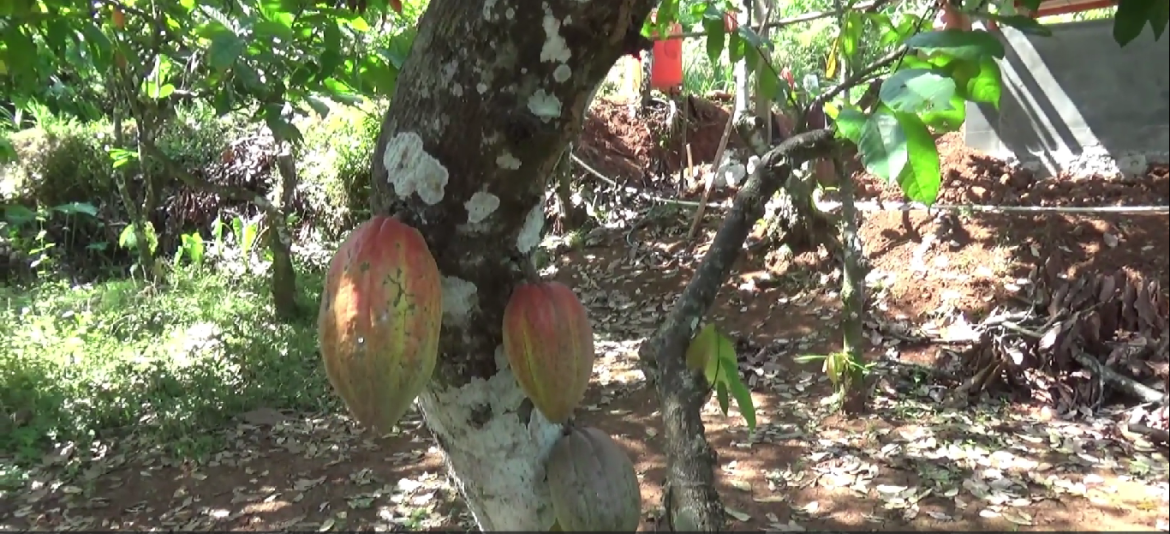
{"type": "Point", "coordinates": [548, 341]}
{"type": "Point", "coordinates": [593, 484]}
{"type": "Point", "coordinates": [378, 324]}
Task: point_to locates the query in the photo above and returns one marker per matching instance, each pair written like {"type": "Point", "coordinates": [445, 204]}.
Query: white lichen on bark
{"type": "Point", "coordinates": [412, 171]}
{"type": "Point", "coordinates": [500, 461]}
{"type": "Point", "coordinates": [529, 235]}
{"type": "Point", "coordinates": [562, 73]}
{"type": "Point", "coordinates": [480, 206]}
{"type": "Point", "coordinates": [544, 105]}
{"type": "Point", "coordinates": [554, 48]}
{"type": "Point", "coordinates": [459, 298]}
{"type": "Point", "coordinates": [507, 161]}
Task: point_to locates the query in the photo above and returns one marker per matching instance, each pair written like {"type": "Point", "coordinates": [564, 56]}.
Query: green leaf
{"type": "Point", "coordinates": [18, 215]}
{"type": "Point", "coordinates": [341, 92]}
{"type": "Point", "coordinates": [721, 395]}
{"type": "Point", "coordinates": [921, 184]}
{"type": "Point", "coordinates": [947, 120]}
{"type": "Point", "coordinates": [328, 63]}
{"type": "Point", "coordinates": [703, 353]}
{"type": "Point", "coordinates": [73, 208]}
{"type": "Point", "coordinates": [128, 240]}
{"type": "Point", "coordinates": [972, 45]}
{"type": "Point", "coordinates": [716, 39]}
{"type": "Point", "coordinates": [851, 33]}
{"type": "Point", "coordinates": [283, 129]}
{"type": "Point", "coordinates": [98, 43]}
{"type": "Point", "coordinates": [1159, 16]}
{"type": "Point", "coordinates": [850, 123]}
{"type": "Point", "coordinates": [1129, 20]}
{"type": "Point", "coordinates": [155, 86]}
{"type": "Point", "coordinates": [722, 370]}
{"type": "Point", "coordinates": [767, 81]}
{"type": "Point", "coordinates": [399, 47]}
{"type": "Point", "coordinates": [274, 11]}
{"type": "Point", "coordinates": [736, 47]}
{"type": "Point", "coordinates": [250, 79]}
{"type": "Point", "coordinates": [121, 157]}
{"type": "Point", "coordinates": [270, 28]}
{"type": "Point", "coordinates": [751, 37]}
{"type": "Point", "coordinates": [319, 106]}
{"type": "Point", "coordinates": [987, 85]}
{"type": "Point", "coordinates": [883, 145]}
{"type": "Point", "coordinates": [743, 399]}
{"type": "Point", "coordinates": [916, 90]}
{"type": "Point", "coordinates": [358, 23]}
{"type": "Point", "coordinates": [225, 50]}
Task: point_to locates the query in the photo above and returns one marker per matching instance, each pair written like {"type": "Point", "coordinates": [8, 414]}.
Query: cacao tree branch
{"type": "Point", "coordinates": [694, 504]}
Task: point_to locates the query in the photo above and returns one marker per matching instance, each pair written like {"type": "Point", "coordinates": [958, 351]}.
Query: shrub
{"type": "Point", "coordinates": [334, 162]}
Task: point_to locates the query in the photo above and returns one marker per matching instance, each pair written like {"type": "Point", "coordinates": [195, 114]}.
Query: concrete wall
{"type": "Point", "coordinates": [1078, 102]}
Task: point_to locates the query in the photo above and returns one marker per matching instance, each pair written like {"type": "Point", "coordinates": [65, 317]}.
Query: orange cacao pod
{"type": "Point", "coordinates": [378, 324]}
{"type": "Point", "coordinates": [549, 345]}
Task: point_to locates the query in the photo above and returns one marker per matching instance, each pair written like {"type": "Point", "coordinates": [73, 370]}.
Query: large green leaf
{"type": "Point", "coordinates": [922, 181]}
{"type": "Point", "coordinates": [917, 90]}
{"type": "Point", "coordinates": [883, 145]}
{"type": "Point", "coordinates": [225, 49]}
{"type": "Point", "coordinates": [972, 45]}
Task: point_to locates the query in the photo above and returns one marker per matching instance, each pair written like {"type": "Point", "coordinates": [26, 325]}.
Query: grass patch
{"type": "Point", "coordinates": [79, 365]}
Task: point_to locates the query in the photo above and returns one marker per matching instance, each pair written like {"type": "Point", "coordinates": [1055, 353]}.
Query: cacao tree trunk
{"type": "Point", "coordinates": [133, 208]}
{"type": "Point", "coordinates": [485, 105]}
{"type": "Point", "coordinates": [284, 276]}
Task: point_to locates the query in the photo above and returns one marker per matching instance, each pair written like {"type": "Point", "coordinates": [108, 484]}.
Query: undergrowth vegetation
{"type": "Point", "coordinates": [87, 357]}
{"type": "Point", "coordinates": [95, 355]}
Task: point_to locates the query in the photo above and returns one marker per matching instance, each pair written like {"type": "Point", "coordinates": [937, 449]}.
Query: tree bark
{"type": "Point", "coordinates": [485, 105]}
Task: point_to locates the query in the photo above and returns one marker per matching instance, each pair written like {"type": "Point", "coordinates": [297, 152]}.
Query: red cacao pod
{"type": "Point", "coordinates": [378, 324]}
{"type": "Point", "coordinates": [549, 345]}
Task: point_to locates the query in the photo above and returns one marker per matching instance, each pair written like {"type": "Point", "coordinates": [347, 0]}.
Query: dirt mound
{"type": "Point", "coordinates": [627, 147]}
{"type": "Point", "coordinates": [973, 177]}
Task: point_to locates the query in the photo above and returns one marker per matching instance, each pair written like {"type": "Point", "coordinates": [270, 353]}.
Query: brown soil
{"type": "Point", "coordinates": [912, 464]}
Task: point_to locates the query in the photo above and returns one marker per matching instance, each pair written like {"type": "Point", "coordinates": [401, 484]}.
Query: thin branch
{"type": "Point", "coordinates": [805, 17]}
{"type": "Point", "coordinates": [858, 77]}
{"type": "Point", "coordinates": [638, 192]}
{"type": "Point", "coordinates": [871, 206]}
{"type": "Point", "coordinates": [894, 56]}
